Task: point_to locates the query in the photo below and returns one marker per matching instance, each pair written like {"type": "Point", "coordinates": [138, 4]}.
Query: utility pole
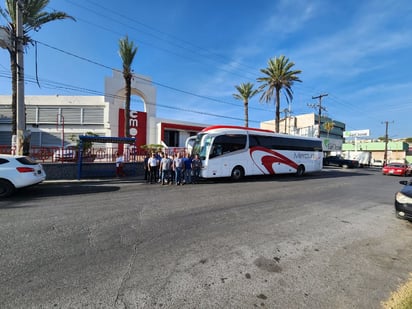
{"type": "Point", "coordinates": [287, 113]}
{"type": "Point", "coordinates": [20, 110]}
{"type": "Point", "coordinates": [320, 108]}
{"type": "Point", "coordinates": [385, 155]}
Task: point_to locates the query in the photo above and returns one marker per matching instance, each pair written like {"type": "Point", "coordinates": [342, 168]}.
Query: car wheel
{"type": "Point", "coordinates": [345, 166]}
{"type": "Point", "coordinates": [237, 173]}
{"type": "Point", "coordinates": [6, 188]}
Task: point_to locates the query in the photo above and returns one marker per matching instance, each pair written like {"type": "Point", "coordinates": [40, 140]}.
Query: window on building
{"type": "Point", "coordinates": [171, 138]}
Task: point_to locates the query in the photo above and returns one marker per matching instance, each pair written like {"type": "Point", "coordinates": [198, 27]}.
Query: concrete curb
{"type": "Point", "coordinates": [96, 180]}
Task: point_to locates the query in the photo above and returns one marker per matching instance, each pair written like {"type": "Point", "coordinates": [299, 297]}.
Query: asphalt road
{"type": "Point", "coordinates": [327, 240]}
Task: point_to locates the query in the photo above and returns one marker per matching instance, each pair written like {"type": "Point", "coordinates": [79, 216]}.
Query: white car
{"type": "Point", "coordinates": [18, 172]}
{"type": "Point", "coordinates": [377, 163]}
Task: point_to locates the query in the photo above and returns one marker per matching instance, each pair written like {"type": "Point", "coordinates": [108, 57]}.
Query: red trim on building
{"type": "Point", "coordinates": [175, 126]}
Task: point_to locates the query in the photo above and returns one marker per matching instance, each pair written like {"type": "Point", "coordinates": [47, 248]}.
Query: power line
{"type": "Point", "coordinates": [165, 37]}
{"type": "Point", "coordinates": [62, 86]}
{"type": "Point", "coordinates": [137, 77]}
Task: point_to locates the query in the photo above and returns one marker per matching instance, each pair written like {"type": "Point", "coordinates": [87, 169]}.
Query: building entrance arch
{"type": "Point", "coordinates": [140, 122]}
{"type": "Point", "coordinates": [141, 86]}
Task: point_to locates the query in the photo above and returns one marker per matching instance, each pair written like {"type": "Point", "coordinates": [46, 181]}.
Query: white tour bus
{"type": "Point", "coordinates": [232, 151]}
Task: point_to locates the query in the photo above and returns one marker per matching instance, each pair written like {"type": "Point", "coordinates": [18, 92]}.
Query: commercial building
{"type": "Point", "coordinates": [308, 125]}
{"type": "Point", "coordinates": [54, 121]}
{"type": "Point", "coordinates": [396, 151]}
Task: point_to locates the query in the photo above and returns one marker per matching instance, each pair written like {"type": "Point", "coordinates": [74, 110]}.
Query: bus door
{"type": "Point", "coordinates": [228, 151]}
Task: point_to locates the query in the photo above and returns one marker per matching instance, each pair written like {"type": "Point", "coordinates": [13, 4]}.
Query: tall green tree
{"type": "Point", "coordinates": [278, 76]}
{"type": "Point", "coordinates": [245, 93]}
{"type": "Point", "coordinates": [127, 52]}
{"type": "Point", "coordinates": [34, 17]}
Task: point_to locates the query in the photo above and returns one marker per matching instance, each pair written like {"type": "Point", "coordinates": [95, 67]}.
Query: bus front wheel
{"type": "Point", "coordinates": [300, 171]}
{"type": "Point", "coordinates": [237, 173]}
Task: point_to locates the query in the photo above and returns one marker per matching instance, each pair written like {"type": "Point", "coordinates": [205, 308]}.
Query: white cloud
{"type": "Point", "coordinates": [289, 16]}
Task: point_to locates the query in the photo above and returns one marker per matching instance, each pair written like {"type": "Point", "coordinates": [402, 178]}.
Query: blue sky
{"type": "Point", "coordinates": [358, 52]}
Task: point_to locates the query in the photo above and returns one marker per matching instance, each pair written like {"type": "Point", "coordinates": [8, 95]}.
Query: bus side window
{"type": "Point", "coordinates": [253, 141]}
{"type": "Point", "coordinates": [227, 143]}
{"type": "Point", "coordinates": [216, 150]}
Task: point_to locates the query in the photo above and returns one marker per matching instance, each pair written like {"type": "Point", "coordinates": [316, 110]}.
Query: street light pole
{"type": "Point", "coordinates": [20, 110]}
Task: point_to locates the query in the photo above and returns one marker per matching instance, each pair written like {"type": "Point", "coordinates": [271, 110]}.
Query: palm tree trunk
{"type": "Point", "coordinates": [127, 107]}
{"type": "Point", "coordinates": [246, 114]}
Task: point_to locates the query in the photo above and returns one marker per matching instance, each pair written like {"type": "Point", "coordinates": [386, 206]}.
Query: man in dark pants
{"type": "Point", "coordinates": [146, 167]}
{"type": "Point", "coordinates": [152, 166]}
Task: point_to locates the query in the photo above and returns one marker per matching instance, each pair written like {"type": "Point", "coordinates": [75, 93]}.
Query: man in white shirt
{"type": "Point", "coordinates": [152, 166]}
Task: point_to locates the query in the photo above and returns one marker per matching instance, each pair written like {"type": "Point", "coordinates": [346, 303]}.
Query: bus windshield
{"type": "Point", "coordinates": [202, 145]}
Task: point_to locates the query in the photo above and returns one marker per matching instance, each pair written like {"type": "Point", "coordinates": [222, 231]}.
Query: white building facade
{"type": "Point", "coordinates": [57, 120]}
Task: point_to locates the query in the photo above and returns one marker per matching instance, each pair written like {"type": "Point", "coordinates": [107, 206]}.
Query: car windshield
{"type": "Point", "coordinates": [395, 165]}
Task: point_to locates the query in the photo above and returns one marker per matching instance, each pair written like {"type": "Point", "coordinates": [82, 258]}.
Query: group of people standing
{"type": "Point", "coordinates": [177, 168]}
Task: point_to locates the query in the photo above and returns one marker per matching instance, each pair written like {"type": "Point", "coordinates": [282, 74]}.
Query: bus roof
{"type": "Point", "coordinates": [222, 128]}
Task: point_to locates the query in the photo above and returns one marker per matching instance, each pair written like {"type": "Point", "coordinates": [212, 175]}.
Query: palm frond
{"type": "Point", "coordinates": [278, 76]}
{"type": "Point", "coordinates": [127, 51]}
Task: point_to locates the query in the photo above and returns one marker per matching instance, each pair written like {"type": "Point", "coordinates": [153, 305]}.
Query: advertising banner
{"type": "Point", "coordinates": [137, 124]}
{"type": "Point", "coordinates": [357, 133]}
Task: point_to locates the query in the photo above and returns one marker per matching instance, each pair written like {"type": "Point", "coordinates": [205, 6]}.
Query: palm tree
{"type": "Point", "coordinates": [34, 17]}
{"type": "Point", "coordinates": [279, 75]}
{"type": "Point", "coordinates": [328, 126]}
{"type": "Point", "coordinates": [127, 51]}
{"type": "Point", "coordinates": [245, 92]}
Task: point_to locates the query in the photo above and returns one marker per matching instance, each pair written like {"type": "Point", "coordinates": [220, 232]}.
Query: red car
{"type": "Point", "coordinates": [398, 169]}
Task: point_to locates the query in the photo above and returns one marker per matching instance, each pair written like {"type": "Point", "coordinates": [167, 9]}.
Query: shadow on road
{"type": "Point", "coordinates": [328, 172]}
{"type": "Point", "coordinates": [50, 190]}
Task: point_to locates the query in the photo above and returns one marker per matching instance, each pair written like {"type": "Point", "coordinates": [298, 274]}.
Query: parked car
{"type": "Point", "coordinates": [17, 172]}
{"type": "Point", "coordinates": [340, 161]}
{"type": "Point", "coordinates": [377, 163]}
{"type": "Point", "coordinates": [398, 169]}
{"type": "Point", "coordinates": [403, 201]}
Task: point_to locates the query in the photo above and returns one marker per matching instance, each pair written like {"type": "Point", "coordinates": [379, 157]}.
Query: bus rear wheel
{"type": "Point", "coordinates": [237, 173]}
{"type": "Point", "coordinates": [300, 171]}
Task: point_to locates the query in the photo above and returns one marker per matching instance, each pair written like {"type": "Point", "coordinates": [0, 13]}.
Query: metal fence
{"type": "Point", "coordinates": [94, 154]}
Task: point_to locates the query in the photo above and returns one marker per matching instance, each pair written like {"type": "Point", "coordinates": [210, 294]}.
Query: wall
{"type": "Point", "coordinates": [68, 171]}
